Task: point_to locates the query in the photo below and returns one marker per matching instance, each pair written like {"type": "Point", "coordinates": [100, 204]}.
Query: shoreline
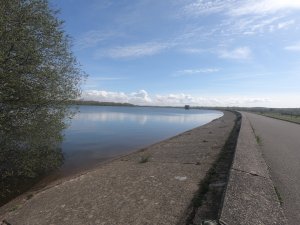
{"type": "Point", "coordinates": [59, 176]}
{"type": "Point", "coordinates": [71, 170]}
{"type": "Point", "coordinates": [212, 131]}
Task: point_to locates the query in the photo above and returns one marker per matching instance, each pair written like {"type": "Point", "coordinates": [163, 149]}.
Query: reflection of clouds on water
{"type": "Point", "coordinates": [144, 118]}
{"type": "Point", "coordinates": [111, 116]}
{"type": "Point", "coordinates": [110, 131]}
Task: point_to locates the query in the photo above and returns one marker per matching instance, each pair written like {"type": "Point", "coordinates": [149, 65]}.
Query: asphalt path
{"type": "Point", "coordinates": [280, 144]}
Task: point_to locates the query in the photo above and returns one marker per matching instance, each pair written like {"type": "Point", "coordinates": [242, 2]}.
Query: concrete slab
{"type": "Point", "coordinates": [250, 197]}
{"type": "Point", "coordinates": [248, 156]}
{"type": "Point", "coordinates": [250, 200]}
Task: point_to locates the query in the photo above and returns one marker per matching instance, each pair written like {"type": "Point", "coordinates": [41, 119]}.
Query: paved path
{"type": "Point", "coordinates": [250, 197]}
{"type": "Point", "coordinates": [281, 149]}
{"type": "Point", "coordinates": [126, 191]}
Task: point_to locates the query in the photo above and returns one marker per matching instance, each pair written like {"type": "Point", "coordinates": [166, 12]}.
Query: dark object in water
{"type": "Point", "coordinates": [187, 106]}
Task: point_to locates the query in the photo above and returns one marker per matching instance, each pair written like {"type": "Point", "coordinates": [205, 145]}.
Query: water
{"type": "Point", "coordinates": [97, 133]}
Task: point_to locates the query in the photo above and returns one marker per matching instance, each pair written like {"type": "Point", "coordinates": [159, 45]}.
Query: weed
{"type": "Point", "coordinates": [278, 196]}
{"type": "Point", "coordinates": [258, 139]}
{"type": "Point", "coordinates": [14, 208]}
{"type": "Point", "coordinates": [144, 158]}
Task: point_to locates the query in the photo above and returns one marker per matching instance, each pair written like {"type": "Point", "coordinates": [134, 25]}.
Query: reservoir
{"type": "Point", "coordinates": [98, 133]}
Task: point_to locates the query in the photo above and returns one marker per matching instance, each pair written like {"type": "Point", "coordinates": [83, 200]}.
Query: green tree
{"type": "Point", "coordinates": [38, 77]}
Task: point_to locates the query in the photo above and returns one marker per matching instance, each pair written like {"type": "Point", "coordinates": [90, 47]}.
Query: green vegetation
{"type": "Point", "coordinates": [282, 116]}
{"type": "Point", "coordinates": [14, 208]}
{"type": "Point", "coordinates": [258, 139]}
{"type": "Point", "coordinates": [144, 159]}
{"type": "Point", "coordinates": [38, 76]}
{"type": "Point", "coordinates": [292, 112]}
{"type": "Point", "coordinates": [278, 196]}
{"type": "Point", "coordinates": [287, 114]}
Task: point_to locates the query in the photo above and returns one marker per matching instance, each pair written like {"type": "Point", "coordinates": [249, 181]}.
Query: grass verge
{"type": "Point", "coordinates": [289, 118]}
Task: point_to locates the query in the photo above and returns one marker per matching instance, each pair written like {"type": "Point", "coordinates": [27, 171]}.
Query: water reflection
{"type": "Point", "coordinates": [30, 139]}
{"type": "Point", "coordinates": [175, 116]}
{"type": "Point", "coordinates": [97, 133]}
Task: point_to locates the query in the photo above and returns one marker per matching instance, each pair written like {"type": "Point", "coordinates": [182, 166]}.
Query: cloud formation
{"type": "Point", "coordinates": [245, 17]}
{"type": "Point", "coordinates": [295, 47]}
{"type": "Point", "coordinates": [92, 38]}
{"type": "Point", "coordinates": [264, 7]}
{"type": "Point", "coordinates": [240, 8]}
{"type": "Point", "coordinates": [187, 72]}
{"type": "Point", "coordinates": [133, 51]}
{"type": "Point", "coordinates": [142, 97]}
{"type": "Point", "coordinates": [237, 53]}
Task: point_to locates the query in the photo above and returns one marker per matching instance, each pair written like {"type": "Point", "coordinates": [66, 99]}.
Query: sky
{"type": "Point", "coordinates": [196, 52]}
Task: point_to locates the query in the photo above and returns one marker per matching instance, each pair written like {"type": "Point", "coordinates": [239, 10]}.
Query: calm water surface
{"type": "Point", "coordinates": [97, 133]}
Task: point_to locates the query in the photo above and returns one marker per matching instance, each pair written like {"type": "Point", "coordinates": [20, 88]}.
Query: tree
{"type": "Point", "coordinates": [38, 77]}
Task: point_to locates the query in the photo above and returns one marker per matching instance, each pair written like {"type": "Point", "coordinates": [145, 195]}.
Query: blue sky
{"type": "Point", "coordinates": [176, 52]}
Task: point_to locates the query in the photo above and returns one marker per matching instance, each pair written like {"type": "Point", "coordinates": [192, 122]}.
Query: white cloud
{"type": "Point", "coordinates": [174, 99]}
{"type": "Point", "coordinates": [93, 38]}
{"type": "Point", "coordinates": [201, 7]}
{"type": "Point", "coordinates": [294, 47]}
{"type": "Point", "coordinates": [285, 24]}
{"type": "Point", "coordinates": [258, 25]}
{"type": "Point", "coordinates": [241, 17]}
{"type": "Point", "coordinates": [255, 24]}
{"type": "Point", "coordinates": [264, 7]}
{"type": "Point", "coordinates": [140, 97]}
{"type": "Point", "coordinates": [239, 7]}
{"type": "Point", "coordinates": [105, 96]}
{"type": "Point", "coordinates": [134, 51]}
{"type": "Point", "coordinates": [237, 53]}
{"type": "Point", "coordinates": [179, 99]}
{"type": "Point", "coordinates": [193, 50]}
{"type": "Point", "coordinates": [195, 71]}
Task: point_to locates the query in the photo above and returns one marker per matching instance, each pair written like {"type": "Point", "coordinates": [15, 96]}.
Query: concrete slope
{"type": "Point", "coordinates": [127, 191]}
{"type": "Point", "coordinates": [250, 197]}
{"type": "Point", "coordinates": [280, 144]}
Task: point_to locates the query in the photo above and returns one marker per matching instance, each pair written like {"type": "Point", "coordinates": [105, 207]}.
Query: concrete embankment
{"type": "Point", "coordinates": [155, 185]}
{"type": "Point", "coordinates": [250, 195]}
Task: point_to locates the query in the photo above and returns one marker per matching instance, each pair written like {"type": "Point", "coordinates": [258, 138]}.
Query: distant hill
{"type": "Point", "coordinates": [81, 102]}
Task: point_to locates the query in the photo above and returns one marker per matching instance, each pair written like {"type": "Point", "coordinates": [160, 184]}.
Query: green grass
{"type": "Point", "coordinates": [144, 159]}
{"type": "Point", "coordinates": [278, 196]}
{"type": "Point", "coordinates": [290, 118]}
{"type": "Point", "coordinates": [258, 139]}
{"type": "Point", "coordinates": [14, 208]}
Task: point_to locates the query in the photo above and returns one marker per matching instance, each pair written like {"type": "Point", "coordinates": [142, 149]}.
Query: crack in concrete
{"type": "Point", "coordinates": [183, 163]}
{"type": "Point", "coordinates": [250, 173]}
